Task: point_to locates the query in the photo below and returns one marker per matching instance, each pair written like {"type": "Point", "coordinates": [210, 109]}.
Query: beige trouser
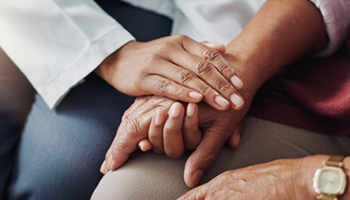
{"type": "Point", "coordinates": [151, 176]}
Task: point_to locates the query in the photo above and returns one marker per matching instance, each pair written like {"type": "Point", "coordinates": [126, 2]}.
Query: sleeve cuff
{"type": "Point", "coordinates": [61, 84]}
{"type": "Point", "coordinates": [336, 16]}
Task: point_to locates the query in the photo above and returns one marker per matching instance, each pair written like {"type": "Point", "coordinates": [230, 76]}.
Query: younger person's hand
{"type": "Point", "coordinates": [176, 67]}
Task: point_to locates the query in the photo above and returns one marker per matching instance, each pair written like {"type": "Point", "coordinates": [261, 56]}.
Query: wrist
{"type": "Point", "coordinates": [108, 68]}
{"type": "Point", "coordinates": [308, 168]}
{"type": "Point", "coordinates": [280, 33]}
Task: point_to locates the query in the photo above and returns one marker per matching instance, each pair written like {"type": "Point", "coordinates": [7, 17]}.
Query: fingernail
{"type": "Point", "coordinates": [221, 101]}
{"type": "Point", "coordinates": [195, 95]}
{"type": "Point", "coordinates": [110, 162]}
{"type": "Point", "coordinates": [175, 110]}
{"type": "Point", "coordinates": [236, 100]}
{"type": "Point", "coordinates": [103, 168]}
{"type": "Point", "coordinates": [190, 109]}
{"type": "Point", "coordinates": [197, 176]}
{"type": "Point", "coordinates": [237, 82]}
{"type": "Point", "coordinates": [158, 119]}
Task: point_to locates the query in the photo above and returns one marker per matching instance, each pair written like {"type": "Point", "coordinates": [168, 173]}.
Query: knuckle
{"type": "Point", "coordinates": [203, 67]}
{"type": "Point", "coordinates": [186, 76]}
{"type": "Point", "coordinates": [178, 92]}
{"type": "Point", "coordinates": [162, 85]}
{"type": "Point", "coordinates": [227, 70]}
{"type": "Point", "coordinates": [132, 125]}
{"type": "Point", "coordinates": [180, 37]}
{"type": "Point", "coordinates": [223, 86]}
{"type": "Point", "coordinates": [206, 91]}
{"type": "Point", "coordinates": [211, 55]}
{"type": "Point", "coordinates": [116, 148]}
{"type": "Point", "coordinates": [165, 47]}
{"type": "Point", "coordinates": [165, 104]}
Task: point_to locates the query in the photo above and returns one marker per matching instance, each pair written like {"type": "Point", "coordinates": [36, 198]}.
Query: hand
{"type": "Point", "coordinates": [281, 179]}
{"type": "Point", "coordinates": [216, 127]}
{"type": "Point", "coordinates": [180, 131]}
{"type": "Point", "coordinates": [135, 128]}
{"type": "Point", "coordinates": [177, 67]}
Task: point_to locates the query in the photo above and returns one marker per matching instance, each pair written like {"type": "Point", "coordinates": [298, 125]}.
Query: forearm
{"type": "Point", "coordinates": [281, 32]}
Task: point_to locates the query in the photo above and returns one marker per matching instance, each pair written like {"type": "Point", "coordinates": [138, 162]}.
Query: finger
{"type": "Point", "coordinates": [155, 132]}
{"type": "Point", "coordinates": [145, 145]}
{"type": "Point", "coordinates": [104, 169]}
{"type": "Point", "coordinates": [234, 139]}
{"type": "Point", "coordinates": [211, 67]}
{"type": "Point", "coordinates": [172, 132]}
{"type": "Point", "coordinates": [210, 54]}
{"type": "Point", "coordinates": [198, 193]}
{"type": "Point", "coordinates": [129, 133]}
{"type": "Point", "coordinates": [137, 105]}
{"type": "Point", "coordinates": [132, 130]}
{"type": "Point", "coordinates": [192, 134]}
{"type": "Point", "coordinates": [203, 157]}
{"type": "Point", "coordinates": [217, 46]}
{"type": "Point", "coordinates": [158, 85]}
{"type": "Point", "coordinates": [186, 78]}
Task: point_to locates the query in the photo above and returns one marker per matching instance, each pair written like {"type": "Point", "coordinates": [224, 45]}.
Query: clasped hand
{"type": "Point", "coordinates": [176, 67]}
{"type": "Point", "coordinates": [165, 126]}
{"type": "Point", "coordinates": [179, 68]}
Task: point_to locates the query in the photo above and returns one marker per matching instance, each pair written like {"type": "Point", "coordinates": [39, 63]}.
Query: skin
{"type": "Point", "coordinates": [276, 180]}
{"type": "Point", "coordinates": [176, 67]}
{"type": "Point", "coordinates": [139, 123]}
{"type": "Point", "coordinates": [291, 30]}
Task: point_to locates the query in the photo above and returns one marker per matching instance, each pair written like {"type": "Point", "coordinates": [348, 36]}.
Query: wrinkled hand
{"type": "Point", "coordinates": [176, 67]}
{"type": "Point", "coordinates": [217, 127]}
{"type": "Point", "coordinates": [136, 126]}
{"type": "Point", "coordinates": [281, 179]}
{"type": "Point", "coordinates": [206, 132]}
{"type": "Point", "coordinates": [181, 130]}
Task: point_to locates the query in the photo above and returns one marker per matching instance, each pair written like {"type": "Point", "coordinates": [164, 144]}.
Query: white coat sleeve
{"type": "Point", "coordinates": [336, 16]}
{"type": "Point", "coordinates": [56, 43]}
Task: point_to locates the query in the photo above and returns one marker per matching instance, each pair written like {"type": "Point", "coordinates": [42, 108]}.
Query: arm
{"type": "Point", "coordinates": [57, 43]}
{"type": "Point", "coordinates": [281, 32]}
{"type": "Point", "coordinates": [280, 179]}
{"type": "Point", "coordinates": [176, 67]}
{"type": "Point", "coordinates": [69, 40]}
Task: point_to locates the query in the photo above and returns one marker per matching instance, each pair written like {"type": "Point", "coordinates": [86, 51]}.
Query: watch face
{"type": "Point", "coordinates": [329, 180]}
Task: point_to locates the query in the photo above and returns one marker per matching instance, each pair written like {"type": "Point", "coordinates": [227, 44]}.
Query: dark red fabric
{"type": "Point", "coordinates": [313, 94]}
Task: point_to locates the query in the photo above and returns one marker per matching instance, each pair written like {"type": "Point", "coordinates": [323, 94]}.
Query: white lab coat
{"type": "Point", "coordinates": [56, 43]}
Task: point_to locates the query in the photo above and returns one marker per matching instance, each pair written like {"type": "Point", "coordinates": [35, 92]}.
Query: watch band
{"type": "Point", "coordinates": [335, 161]}
{"type": "Point", "coordinates": [326, 197]}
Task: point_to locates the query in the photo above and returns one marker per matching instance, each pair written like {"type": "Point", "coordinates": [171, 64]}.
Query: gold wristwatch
{"type": "Point", "coordinates": [330, 180]}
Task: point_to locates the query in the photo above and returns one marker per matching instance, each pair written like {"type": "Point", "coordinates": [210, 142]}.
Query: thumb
{"type": "Point", "coordinates": [217, 46]}
{"type": "Point", "coordinates": [204, 155]}
{"type": "Point", "coordinates": [234, 139]}
{"type": "Point", "coordinates": [198, 193]}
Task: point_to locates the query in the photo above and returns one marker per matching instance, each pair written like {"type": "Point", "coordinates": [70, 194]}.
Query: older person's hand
{"type": "Point", "coordinates": [276, 180]}
{"type": "Point", "coordinates": [176, 67]}
{"type": "Point", "coordinates": [149, 113]}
